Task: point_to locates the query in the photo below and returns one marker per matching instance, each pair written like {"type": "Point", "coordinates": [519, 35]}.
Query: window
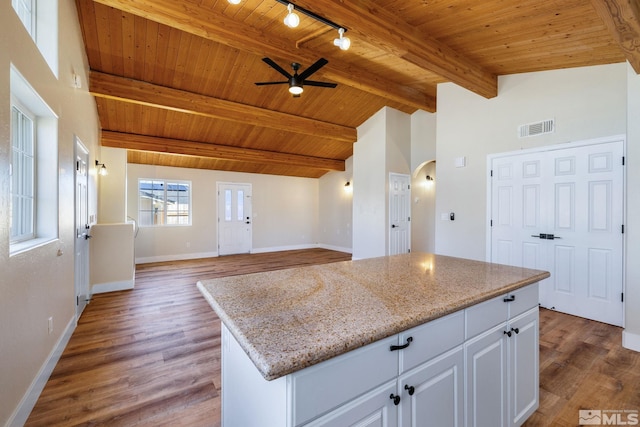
{"type": "Point", "coordinates": [23, 170]}
{"type": "Point", "coordinates": [34, 168]}
{"type": "Point", "coordinates": [162, 202]}
{"type": "Point", "coordinates": [26, 10]}
{"type": "Point", "coordinates": [40, 20]}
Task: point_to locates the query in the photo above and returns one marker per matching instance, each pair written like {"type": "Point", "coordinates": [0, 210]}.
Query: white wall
{"type": "Point", "coordinates": [285, 213]}
{"type": "Point", "coordinates": [586, 103]}
{"type": "Point", "coordinates": [423, 208]}
{"type": "Point", "coordinates": [335, 209]}
{"type": "Point", "coordinates": [369, 184]}
{"type": "Point", "coordinates": [383, 147]}
{"type": "Point", "coordinates": [39, 283]}
{"type": "Point", "coordinates": [631, 336]}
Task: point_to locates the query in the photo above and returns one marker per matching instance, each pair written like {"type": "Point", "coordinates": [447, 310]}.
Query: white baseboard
{"type": "Point", "coordinates": [336, 248]}
{"type": "Point", "coordinates": [20, 415]}
{"type": "Point", "coordinates": [631, 341]}
{"type": "Point", "coordinates": [283, 248]}
{"type": "Point", "coordinates": [123, 285]}
{"type": "Point", "coordinates": [175, 257]}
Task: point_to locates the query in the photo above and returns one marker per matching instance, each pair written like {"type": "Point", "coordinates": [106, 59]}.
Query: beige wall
{"type": "Point", "coordinates": [39, 284]}
{"type": "Point", "coordinates": [335, 209]}
{"type": "Point", "coordinates": [285, 213]}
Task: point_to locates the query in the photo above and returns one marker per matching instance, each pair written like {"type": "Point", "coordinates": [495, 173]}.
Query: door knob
{"type": "Point", "coordinates": [393, 226]}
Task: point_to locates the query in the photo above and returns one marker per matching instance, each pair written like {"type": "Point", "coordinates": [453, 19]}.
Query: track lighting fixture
{"type": "Point", "coordinates": [342, 42]}
{"type": "Point", "coordinates": [292, 19]}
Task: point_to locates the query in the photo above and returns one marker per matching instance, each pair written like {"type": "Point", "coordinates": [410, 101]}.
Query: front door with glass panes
{"type": "Point", "coordinates": [234, 218]}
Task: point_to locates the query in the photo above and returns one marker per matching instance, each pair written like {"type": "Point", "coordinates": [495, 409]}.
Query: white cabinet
{"type": "Point", "coordinates": [502, 365]}
{"type": "Point", "coordinates": [476, 367]}
{"type": "Point", "coordinates": [374, 409]}
{"type": "Point", "coordinates": [433, 393]}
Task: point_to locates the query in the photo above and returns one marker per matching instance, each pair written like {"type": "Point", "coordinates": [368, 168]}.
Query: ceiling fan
{"type": "Point", "coordinates": [297, 81]}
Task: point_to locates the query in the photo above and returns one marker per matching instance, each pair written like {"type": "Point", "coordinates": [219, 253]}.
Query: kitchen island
{"type": "Point", "coordinates": [339, 343]}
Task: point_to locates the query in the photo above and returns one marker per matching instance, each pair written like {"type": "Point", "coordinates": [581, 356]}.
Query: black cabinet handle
{"type": "Point", "coordinates": [400, 347]}
{"type": "Point", "coordinates": [396, 399]}
{"type": "Point", "coordinates": [507, 333]}
{"type": "Point", "coordinates": [516, 330]}
{"type": "Point", "coordinates": [510, 298]}
{"type": "Point", "coordinates": [410, 389]}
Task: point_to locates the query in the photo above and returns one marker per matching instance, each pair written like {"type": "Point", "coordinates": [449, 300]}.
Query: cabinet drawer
{"type": "Point", "coordinates": [525, 299]}
{"type": "Point", "coordinates": [324, 386]}
{"type": "Point", "coordinates": [431, 339]}
{"type": "Point", "coordinates": [485, 315]}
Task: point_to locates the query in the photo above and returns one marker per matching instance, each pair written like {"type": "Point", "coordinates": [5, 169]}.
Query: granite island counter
{"type": "Point", "coordinates": [322, 345]}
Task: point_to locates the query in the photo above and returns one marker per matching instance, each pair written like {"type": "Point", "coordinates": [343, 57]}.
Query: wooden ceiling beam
{"type": "Point", "coordinates": [134, 142]}
{"type": "Point", "coordinates": [622, 18]}
{"type": "Point", "coordinates": [194, 19]}
{"type": "Point", "coordinates": [387, 31]}
{"type": "Point", "coordinates": [138, 92]}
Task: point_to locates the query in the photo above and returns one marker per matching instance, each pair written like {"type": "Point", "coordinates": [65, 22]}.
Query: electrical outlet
{"type": "Point", "coordinates": [50, 323]}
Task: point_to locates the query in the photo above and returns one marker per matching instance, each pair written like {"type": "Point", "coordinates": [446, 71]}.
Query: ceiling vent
{"type": "Point", "coordinates": [538, 128]}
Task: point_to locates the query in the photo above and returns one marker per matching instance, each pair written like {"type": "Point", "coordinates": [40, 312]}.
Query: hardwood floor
{"type": "Point", "coordinates": [151, 356]}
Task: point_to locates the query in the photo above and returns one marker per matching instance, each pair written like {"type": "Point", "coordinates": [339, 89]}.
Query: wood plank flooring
{"type": "Point", "coordinates": [151, 356]}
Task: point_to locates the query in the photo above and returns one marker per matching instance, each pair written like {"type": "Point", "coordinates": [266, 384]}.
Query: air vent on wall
{"type": "Point", "coordinates": [538, 128]}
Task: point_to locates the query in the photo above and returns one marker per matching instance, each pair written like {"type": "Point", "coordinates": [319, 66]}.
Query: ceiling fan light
{"type": "Point", "coordinates": [234, 1]}
{"type": "Point", "coordinates": [342, 42]}
{"type": "Point", "coordinates": [296, 90]}
{"type": "Point", "coordinates": [292, 20]}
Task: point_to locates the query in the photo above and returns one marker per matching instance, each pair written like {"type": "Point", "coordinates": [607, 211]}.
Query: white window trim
{"type": "Point", "coordinates": [165, 182]}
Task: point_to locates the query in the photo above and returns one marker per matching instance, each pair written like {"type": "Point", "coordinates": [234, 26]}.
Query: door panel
{"type": "Point", "coordinates": [81, 246]}
{"type": "Point", "coordinates": [562, 211]}
{"type": "Point", "coordinates": [399, 214]}
{"type": "Point", "coordinates": [234, 219]}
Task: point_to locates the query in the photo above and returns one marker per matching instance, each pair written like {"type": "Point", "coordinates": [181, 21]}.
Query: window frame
{"type": "Point", "coordinates": [33, 178]}
{"type": "Point", "coordinates": [32, 12]}
{"type": "Point", "coordinates": [164, 221]}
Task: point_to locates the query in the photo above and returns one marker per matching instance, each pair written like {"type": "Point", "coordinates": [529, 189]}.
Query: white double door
{"type": "Point", "coordinates": [562, 211]}
{"type": "Point", "coordinates": [234, 218]}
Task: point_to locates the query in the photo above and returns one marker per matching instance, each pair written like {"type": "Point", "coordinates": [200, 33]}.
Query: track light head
{"type": "Point", "coordinates": [342, 42]}
{"type": "Point", "coordinates": [292, 20]}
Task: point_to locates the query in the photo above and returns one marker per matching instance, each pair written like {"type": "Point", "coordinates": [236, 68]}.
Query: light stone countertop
{"type": "Point", "coordinates": [287, 320]}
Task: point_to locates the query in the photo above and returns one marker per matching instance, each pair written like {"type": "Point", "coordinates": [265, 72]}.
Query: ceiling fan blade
{"type": "Point", "coordinates": [270, 83]}
{"type": "Point", "coordinates": [313, 68]}
{"type": "Point", "coordinates": [276, 67]}
{"type": "Point", "coordinates": [319, 84]}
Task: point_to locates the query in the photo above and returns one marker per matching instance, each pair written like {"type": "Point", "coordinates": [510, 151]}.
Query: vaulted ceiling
{"type": "Point", "coordinates": [174, 79]}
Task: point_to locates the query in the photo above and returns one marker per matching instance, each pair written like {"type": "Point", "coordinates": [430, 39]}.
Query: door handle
{"type": "Point", "coordinates": [546, 236]}
{"type": "Point", "coordinates": [248, 222]}
{"type": "Point", "coordinates": [393, 226]}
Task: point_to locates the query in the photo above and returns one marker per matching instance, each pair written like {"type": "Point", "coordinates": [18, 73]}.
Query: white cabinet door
{"type": "Point", "coordinates": [523, 367]}
{"type": "Point", "coordinates": [487, 387]}
{"type": "Point", "coordinates": [374, 409]}
{"type": "Point", "coordinates": [433, 394]}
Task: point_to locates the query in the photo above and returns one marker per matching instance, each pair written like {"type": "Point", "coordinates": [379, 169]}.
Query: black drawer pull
{"type": "Point", "coordinates": [516, 330]}
{"type": "Point", "coordinates": [400, 347]}
{"type": "Point", "coordinates": [510, 298]}
{"type": "Point", "coordinates": [410, 389]}
{"type": "Point", "coordinates": [396, 399]}
{"type": "Point", "coordinates": [507, 333]}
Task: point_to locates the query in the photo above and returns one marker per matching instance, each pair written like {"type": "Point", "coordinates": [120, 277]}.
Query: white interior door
{"type": "Point", "coordinates": [81, 246]}
{"type": "Point", "coordinates": [562, 211]}
{"type": "Point", "coordinates": [399, 214]}
{"type": "Point", "coordinates": [234, 219]}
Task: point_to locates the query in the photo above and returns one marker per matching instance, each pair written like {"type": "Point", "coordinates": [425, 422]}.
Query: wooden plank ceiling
{"type": "Point", "coordinates": [174, 79]}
